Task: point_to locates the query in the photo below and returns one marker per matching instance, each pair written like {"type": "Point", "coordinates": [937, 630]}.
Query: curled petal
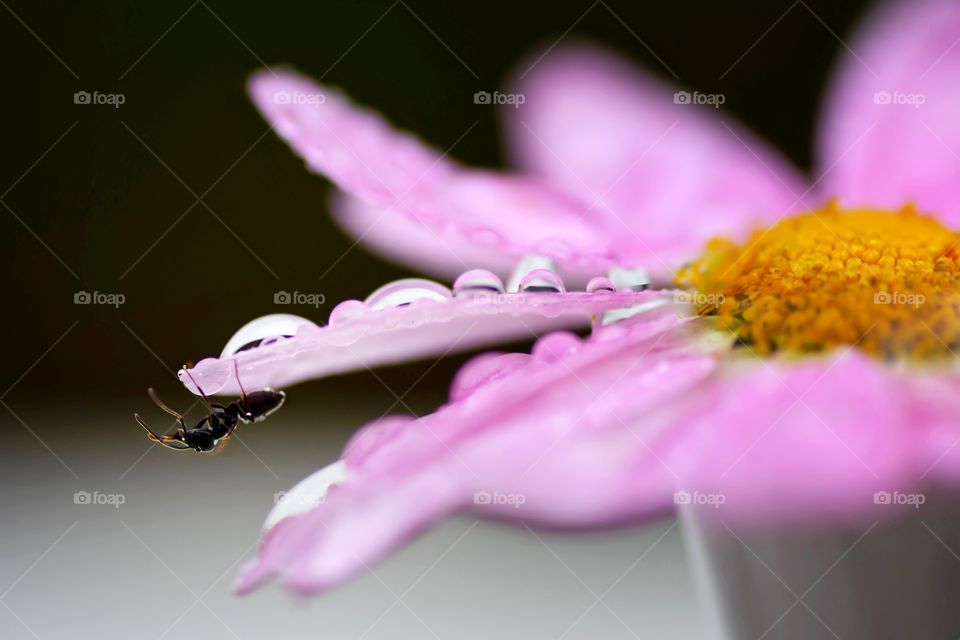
{"type": "Point", "coordinates": [307, 493]}
{"type": "Point", "coordinates": [889, 130]}
{"type": "Point", "coordinates": [662, 174]}
{"type": "Point", "coordinates": [402, 321]}
{"type": "Point", "coordinates": [563, 438]}
{"type": "Point", "coordinates": [418, 193]}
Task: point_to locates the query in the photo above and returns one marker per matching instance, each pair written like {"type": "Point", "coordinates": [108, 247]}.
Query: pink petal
{"type": "Point", "coordinates": [890, 132]}
{"type": "Point", "coordinates": [660, 176]}
{"type": "Point", "coordinates": [404, 320]}
{"type": "Point", "coordinates": [804, 440]}
{"type": "Point", "coordinates": [934, 398]}
{"type": "Point", "coordinates": [548, 441]}
{"type": "Point", "coordinates": [421, 193]}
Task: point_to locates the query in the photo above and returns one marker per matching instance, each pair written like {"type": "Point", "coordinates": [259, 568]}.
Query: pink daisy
{"type": "Point", "coordinates": [803, 368]}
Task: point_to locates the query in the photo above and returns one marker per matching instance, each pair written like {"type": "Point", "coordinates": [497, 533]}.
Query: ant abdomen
{"type": "Point", "coordinates": [257, 405]}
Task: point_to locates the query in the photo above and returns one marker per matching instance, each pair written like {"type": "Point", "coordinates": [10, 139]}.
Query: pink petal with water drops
{"type": "Point", "coordinates": [393, 172]}
{"type": "Point", "coordinates": [661, 177]}
{"type": "Point", "coordinates": [403, 243]}
{"type": "Point", "coordinates": [890, 132]}
{"type": "Point", "coordinates": [404, 320]}
{"type": "Point", "coordinates": [563, 438]}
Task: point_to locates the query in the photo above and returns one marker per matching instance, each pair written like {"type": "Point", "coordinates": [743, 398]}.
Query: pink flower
{"type": "Point", "coordinates": [798, 419]}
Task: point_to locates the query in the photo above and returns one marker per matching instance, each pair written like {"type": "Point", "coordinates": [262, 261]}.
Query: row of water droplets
{"type": "Point", "coordinates": [534, 274]}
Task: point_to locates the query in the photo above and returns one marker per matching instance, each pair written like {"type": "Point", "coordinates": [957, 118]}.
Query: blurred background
{"type": "Point", "coordinates": [180, 201]}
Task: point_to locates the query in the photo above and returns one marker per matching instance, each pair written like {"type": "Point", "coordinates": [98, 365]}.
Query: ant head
{"type": "Point", "coordinates": [258, 405]}
{"type": "Point", "coordinates": [200, 440]}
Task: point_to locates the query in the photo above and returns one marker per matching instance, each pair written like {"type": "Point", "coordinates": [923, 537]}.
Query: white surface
{"type": "Point", "coordinates": [161, 564]}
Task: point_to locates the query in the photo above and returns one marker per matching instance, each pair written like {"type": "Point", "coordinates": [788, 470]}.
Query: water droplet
{"type": "Point", "coordinates": [635, 279]}
{"type": "Point", "coordinates": [541, 281]}
{"type": "Point", "coordinates": [554, 346]}
{"type": "Point", "coordinates": [600, 284]}
{"type": "Point", "coordinates": [270, 327]}
{"type": "Point", "coordinates": [485, 235]}
{"type": "Point", "coordinates": [528, 264]}
{"type": "Point", "coordinates": [483, 369]}
{"type": "Point", "coordinates": [403, 292]}
{"type": "Point", "coordinates": [477, 282]}
{"type": "Point", "coordinates": [346, 311]}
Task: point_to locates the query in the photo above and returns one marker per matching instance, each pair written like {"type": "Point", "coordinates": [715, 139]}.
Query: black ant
{"type": "Point", "coordinates": [213, 430]}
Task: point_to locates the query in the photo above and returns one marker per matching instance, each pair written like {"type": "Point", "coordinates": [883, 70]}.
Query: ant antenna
{"type": "Point", "coordinates": [167, 441]}
{"type": "Point", "coordinates": [153, 435]}
{"type": "Point", "coordinates": [236, 372]}
{"type": "Point", "coordinates": [156, 399]}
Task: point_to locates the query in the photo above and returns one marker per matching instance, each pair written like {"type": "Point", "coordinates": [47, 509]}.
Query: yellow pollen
{"type": "Point", "coordinates": [887, 282]}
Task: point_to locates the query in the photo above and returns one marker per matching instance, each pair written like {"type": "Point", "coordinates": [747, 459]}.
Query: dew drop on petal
{"type": "Point", "coordinates": [346, 311]}
{"type": "Point", "coordinates": [477, 282]}
{"type": "Point", "coordinates": [526, 265]}
{"type": "Point", "coordinates": [483, 369]}
{"type": "Point", "coordinates": [541, 281]}
{"type": "Point", "coordinates": [485, 236]}
{"type": "Point", "coordinates": [600, 284]}
{"type": "Point", "coordinates": [554, 346]}
{"type": "Point", "coordinates": [636, 279]}
{"type": "Point", "coordinates": [265, 328]}
{"type": "Point", "coordinates": [403, 292]}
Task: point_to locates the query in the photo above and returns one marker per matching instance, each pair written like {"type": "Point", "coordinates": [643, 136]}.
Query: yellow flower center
{"type": "Point", "coordinates": [887, 282]}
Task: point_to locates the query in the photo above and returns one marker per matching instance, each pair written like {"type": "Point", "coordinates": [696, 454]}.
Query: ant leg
{"type": "Point", "coordinates": [236, 372]}
{"type": "Point", "coordinates": [202, 394]}
{"type": "Point", "coordinates": [164, 407]}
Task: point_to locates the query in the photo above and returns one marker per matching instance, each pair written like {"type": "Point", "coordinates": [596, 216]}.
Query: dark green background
{"type": "Point", "coordinates": [99, 199]}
